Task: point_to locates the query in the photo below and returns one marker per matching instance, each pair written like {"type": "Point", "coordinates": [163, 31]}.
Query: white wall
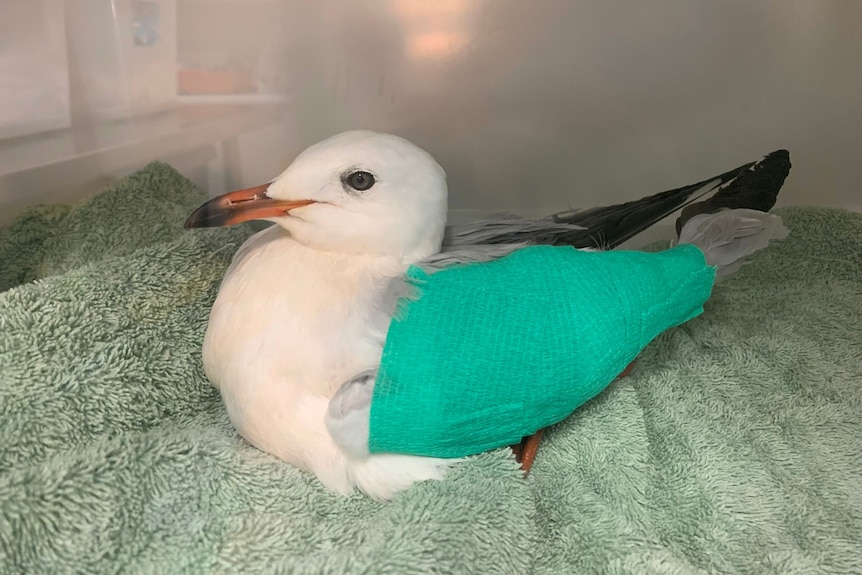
{"type": "Point", "coordinates": [536, 105]}
{"type": "Point", "coordinates": [539, 105]}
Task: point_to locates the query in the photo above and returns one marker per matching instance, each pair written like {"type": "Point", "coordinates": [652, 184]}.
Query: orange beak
{"type": "Point", "coordinates": [241, 206]}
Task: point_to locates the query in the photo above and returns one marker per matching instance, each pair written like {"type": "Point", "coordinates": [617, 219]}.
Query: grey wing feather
{"type": "Point", "coordinates": [753, 186]}
{"type": "Point", "coordinates": [505, 228]}
{"type": "Point", "coordinates": [468, 254]}
{"type": "Point", "coordinates": [348, 415]}
{"type": "Point", "coordinates": [492, 238]}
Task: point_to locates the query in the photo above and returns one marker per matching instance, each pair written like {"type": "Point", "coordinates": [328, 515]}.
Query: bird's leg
{"type": "Point", "coordinates": [525, 452]}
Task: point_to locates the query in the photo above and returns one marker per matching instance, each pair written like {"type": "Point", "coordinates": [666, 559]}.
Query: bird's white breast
{"type": "Point", "coordinates": [289, 326]}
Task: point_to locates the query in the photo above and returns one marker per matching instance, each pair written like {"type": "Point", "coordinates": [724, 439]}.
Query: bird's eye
{"type": "Point", "coordinates": [359, 181]}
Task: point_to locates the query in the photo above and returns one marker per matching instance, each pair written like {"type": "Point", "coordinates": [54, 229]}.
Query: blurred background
{"type": "Point", "coordinates": [530, 106]}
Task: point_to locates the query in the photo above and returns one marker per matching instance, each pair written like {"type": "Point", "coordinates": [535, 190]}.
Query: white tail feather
{"type": "Point", "coordinates": [728, 236]}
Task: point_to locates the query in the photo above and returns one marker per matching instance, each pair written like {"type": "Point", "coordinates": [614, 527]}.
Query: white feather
{"type": "Point", "coordinates": [295, 318]}
{"type": "Point", "coordinates": [727, 237]}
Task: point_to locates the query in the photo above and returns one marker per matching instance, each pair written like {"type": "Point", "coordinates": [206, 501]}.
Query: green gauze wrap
{"type": "Point", "coordinates": [492, 352]}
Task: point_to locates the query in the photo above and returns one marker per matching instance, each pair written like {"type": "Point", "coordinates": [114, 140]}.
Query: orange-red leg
{"type": "Point", "coordinates": [525, 452]}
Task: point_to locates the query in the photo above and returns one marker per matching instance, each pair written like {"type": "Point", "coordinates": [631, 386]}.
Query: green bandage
{"type": "Point", "coordinates": [492, 352]}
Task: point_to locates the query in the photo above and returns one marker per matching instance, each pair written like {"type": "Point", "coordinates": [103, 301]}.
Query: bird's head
{"type": "Point", "coordinates": [356, 192]}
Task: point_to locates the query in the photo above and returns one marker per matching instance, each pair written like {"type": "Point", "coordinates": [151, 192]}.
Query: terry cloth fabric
{"type": "Point", "coordinates": [735, 446]}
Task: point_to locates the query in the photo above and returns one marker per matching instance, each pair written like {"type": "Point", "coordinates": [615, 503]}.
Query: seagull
{"type": "Point", "coordinates": [304, 309]}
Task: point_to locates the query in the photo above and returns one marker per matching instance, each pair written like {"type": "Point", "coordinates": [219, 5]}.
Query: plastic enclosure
{"type": "Point", "coordinates": [531, 107]}
{"type": "Point", "coordinates": [34, 83]}
{"type": "Point", "coordinates": [126, 54]}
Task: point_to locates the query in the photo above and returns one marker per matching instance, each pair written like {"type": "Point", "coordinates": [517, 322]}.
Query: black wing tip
{"type": "Point", "coordinates": [609, 226]}
{"type": "Point", "coordinates": [755, 188]}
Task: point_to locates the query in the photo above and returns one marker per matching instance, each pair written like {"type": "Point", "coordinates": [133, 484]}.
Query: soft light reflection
{"type": "Point", "coordinates": [436, 29]}
{"type": "Point", "coordinates": [435, 44]}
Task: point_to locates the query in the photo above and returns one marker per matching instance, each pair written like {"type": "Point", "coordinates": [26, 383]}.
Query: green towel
{"type": "Point", "coordinates": [492, 352]}
{"type": "Point", "coordinates": [735, 446]}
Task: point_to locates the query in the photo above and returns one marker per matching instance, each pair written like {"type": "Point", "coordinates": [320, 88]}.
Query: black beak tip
{"type": "Point", "coordinates": [206, 217]}
{"type": "Point", "coordinates": [193, 221]}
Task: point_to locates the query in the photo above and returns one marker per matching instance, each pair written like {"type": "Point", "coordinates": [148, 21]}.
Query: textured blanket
{"type": "Point", "coordinates": [734, 447]}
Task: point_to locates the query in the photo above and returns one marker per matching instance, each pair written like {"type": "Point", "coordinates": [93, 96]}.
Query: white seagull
{"type": "Point", "coordinates": [305, 306]}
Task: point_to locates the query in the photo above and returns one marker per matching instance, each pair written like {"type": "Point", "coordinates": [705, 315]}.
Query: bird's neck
{"type": "Point", "coordinates": [382, 266]}
{"type": "Point", "coordinates": [316, 313]}
{"type": "Point", "coordinates": [280, 251]}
